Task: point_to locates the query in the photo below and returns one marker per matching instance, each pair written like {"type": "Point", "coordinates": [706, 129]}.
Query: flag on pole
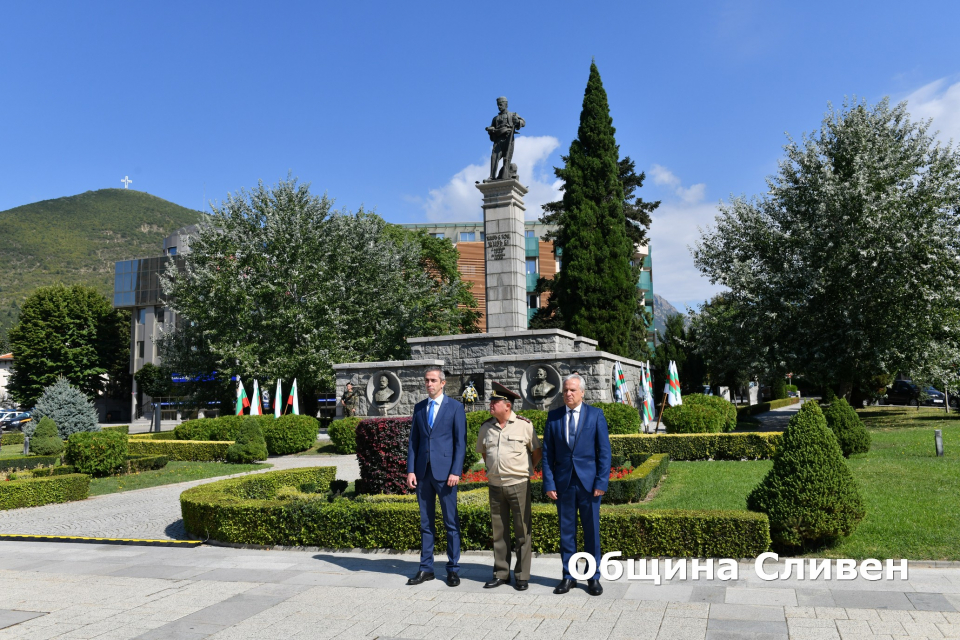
{"type": "Point", "coordinates": [651, 399]}
{"type": "Point", "coordinates": [294, 399]}
{"type": "Point", "coordinates": [620, 384]}
{"type": "Point", "coordinates": [674, 383]}
{"type": "Point", "coordinates": [276, 400]}
{"type": "Point", "coordinates": [647, 396]}
{"type": "Point", "coordinates": [242, 400]}
{"type": "Point", "coordinates": [256, 408]}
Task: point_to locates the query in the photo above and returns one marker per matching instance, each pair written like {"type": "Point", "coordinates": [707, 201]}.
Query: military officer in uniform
{"type": "Point", "coordinates": [510, 450]}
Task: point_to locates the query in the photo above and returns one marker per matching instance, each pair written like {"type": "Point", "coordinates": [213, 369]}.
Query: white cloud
{"type": "Point", "coordinates": [941, 102]}
{"type": "Point", "coordinates": [674, 230]}
{"type": "Point", "coordinates": [459, 199]}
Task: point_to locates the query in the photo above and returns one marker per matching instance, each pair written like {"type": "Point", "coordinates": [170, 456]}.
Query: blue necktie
{"type": "Point", "coordinates": [571, 429]}
{"type": "Point", "coordinates": [433, 404]}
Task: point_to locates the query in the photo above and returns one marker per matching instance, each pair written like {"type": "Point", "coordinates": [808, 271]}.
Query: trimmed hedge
{"type": "Point", "coordinates": [382, 454]}
{"type": "Point", "coordinates": [183, 450]}
{"type": "Point", "coordinates": [284, 435]}
{"type": "Point", "coordinates": [34, 492]}
{"type": "Point", "coordinates": [136, 464]}
{"type": "Point", "coordinates": [693, 418]}
{"type": "Point", "coordinates": [763, 407]}
{"type": "Point", "coordinates": [62, 470]}
{"type": "Point", "coordinates": [700, 446]}
{"type": "Point", "coordinates": [23, 463]}
{"type": "Point", "coordinates": [229, 511]}
{"type": "Point", "coordinates": [621, 418]}
{"type": "Point", "coordinates": [122, 428]}
{"type": "Point", "coordinates": [343, 434]}
{"type": "Point", "coordinates": [163, 435]}
{"type": "Point", "coordinates": [15, 437]}
{"type": "Point", "coordinates": [250, 445]}
{"type": "Point", "coordinates": [99, 453]}
{"type": "Point", "coordinates": [633, 487]}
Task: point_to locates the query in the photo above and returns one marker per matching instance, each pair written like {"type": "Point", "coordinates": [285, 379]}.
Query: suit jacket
{"type": "Point", "coordinates": [444, 446]}
{"type": "Point", "coordinates": [590, 456]}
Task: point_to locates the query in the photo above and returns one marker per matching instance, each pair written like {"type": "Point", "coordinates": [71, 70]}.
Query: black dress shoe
{"type": "Point", "coordinates": [453, 580]}
{"type": "Point", "coordinates": [420, 578]}
{"type": "Point", "coordinates": [565, 585]}
{"type": "Point", "coordinates": [594, 588]}
{"type": "Point", "coordinates": [496, 582]}
{"type": "Point", "coordinates": [521, 585]}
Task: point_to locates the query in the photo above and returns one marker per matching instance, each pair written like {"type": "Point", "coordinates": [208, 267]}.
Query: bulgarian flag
{"type": "Point", "coordinates": [256, 409]}
{"type": "Point", "coordinates": [620, 384]}
{"type": "Point", "coordinates": [673, 386]}
{"type": "Point", "coordinates": [646, 394]}
{"type": "Point", "coordinates": [242, 400]}
{"type": "Point", "coordinates": [294, 399]}
{"type": "Point", "coordinates": [651, 406]}
{"type": "Point", "coordinates": [276, 400]}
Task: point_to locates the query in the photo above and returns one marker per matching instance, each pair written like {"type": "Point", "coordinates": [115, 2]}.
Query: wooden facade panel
{"type": "Point", "coordinates": [548, 266]}
{"type": "Point", "coordinates": [471, 270]}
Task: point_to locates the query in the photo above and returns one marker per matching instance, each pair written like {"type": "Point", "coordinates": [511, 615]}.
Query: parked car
{"type": "Point", "coordinates": [905, 392]}
{"type": "Point", "coordinates": [6, 413]}
{"type": "Point", "coordinates": [16, 422]}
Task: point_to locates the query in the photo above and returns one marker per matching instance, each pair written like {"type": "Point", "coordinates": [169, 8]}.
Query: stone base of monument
{"type": "Point", "coordinates": [532, 363]}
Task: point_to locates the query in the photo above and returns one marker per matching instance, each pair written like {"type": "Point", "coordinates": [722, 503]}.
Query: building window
{"type": "Point", "coordinates": [530, 233]}
{"type": "Point", "coordinates": [438, 236]}
{"type": "Point", "coordinates": [139, 348]}
{"type": "Point", "coordinates": [468, 236]}
{"type": "Point", "coordinates": [159, 313]}
{"type": "Point", "coordinates": [483, 236]}
{"type": "Point", "coordinates": [558, 264]}
{"type": "Point", "coordinates": [533, 301]}
{"type": "Point", "coordinates": [532, 265]}
{"type": "Point", "coordinates": [172, 251]}
{"type": "Point", "coordinates": [141, 317]}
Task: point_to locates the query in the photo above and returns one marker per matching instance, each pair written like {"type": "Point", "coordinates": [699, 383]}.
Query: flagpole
{"type": "Point", "coordinates": [663, 406]}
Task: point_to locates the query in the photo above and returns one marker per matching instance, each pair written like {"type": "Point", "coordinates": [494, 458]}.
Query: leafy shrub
{"type": "Point", "coordinates": [27, 462]}
{"type": "Point", "coordinates": [290, 434]}
{"type": "Point", "coordinates": [621, 418]}
{"type": "Point", "coordinates": [474, 420]}
{"type": "Point", "coordinates": [778, 389]}
{"type": "Point", "coordinates": [97, 454]}
{"type": "Point", "coordinates": [250, 445]}
{"type": "Point", "coordinates": [791, 388]}
{"type": "Point", "coordinates": [34, 492]}
{"type": "Point", "coordinates": [829, 396]}
{"type": "Point", "coordinates": [233, 511]}
{"type": "Point", "coordinates": [809, 495]}
{"type": "Point", "coordinates": [343, 434]}
{"type": "Point", "coordinates": [726, 409]}
{"type": "Point", "coordinates": [693, 418]}
{"type": "Point", "coordinates": [183, 450]}
{"type": "Point", "coordinates": [61, 470]}
{"type": "Point", "coordinates": [698, 446]}
{"type": "Point", "coordinates": [136, 464]}
{"type": "Point", "coordinates": [11, 438]}
{"type": "Point", "coordinates": [45, 441]}
{"type": "Point", "coordinates": [846, 425]}
{"type": "Point", "coordinates": [123, 428]}
{"type": "Point", "coordinates": [382, 454]}
{"type": "Point", "coordinates": [68, 407]}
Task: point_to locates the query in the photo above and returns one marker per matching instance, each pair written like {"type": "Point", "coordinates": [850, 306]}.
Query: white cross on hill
{"type": "Point", "coordinates": [126, 181]}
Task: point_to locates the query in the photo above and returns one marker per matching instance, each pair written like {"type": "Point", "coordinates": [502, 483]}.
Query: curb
{"type": "Point", "coordinates": [187, 544]}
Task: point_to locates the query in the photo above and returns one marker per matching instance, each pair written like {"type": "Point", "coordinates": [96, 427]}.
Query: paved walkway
{"type": "Point", "coordinates": [777, 419]}
{"type": "Point", "coordinates": [145, 513]}
{"type": "Point", "coordinates": [50, 590]}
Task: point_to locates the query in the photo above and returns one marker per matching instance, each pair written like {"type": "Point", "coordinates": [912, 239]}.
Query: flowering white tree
{"type": "Point", "coordinates": [849, 265]}
{"type": "Point", "coordinates": [278, 285]}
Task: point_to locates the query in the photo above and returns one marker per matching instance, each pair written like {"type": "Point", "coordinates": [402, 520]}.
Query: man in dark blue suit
{"type": "Point", "coordinates": [438, 441]}
{"type": "Point", "coordinates": [576, 472]}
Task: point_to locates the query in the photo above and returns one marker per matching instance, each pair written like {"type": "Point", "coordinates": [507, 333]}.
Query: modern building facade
{"type": "Point", "coordinates": [6, 367]}
{"type": "Point", "coordinates": [468, 238]}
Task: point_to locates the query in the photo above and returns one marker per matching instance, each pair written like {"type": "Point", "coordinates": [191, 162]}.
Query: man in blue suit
{"type": "Point", "coordinates": [438, 441]}
{"type": "Point", "coordinates": [576, 472]}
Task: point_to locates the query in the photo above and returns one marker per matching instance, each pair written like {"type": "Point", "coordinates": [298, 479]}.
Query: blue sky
{"type": "Point", "coordinates": [383, 104]}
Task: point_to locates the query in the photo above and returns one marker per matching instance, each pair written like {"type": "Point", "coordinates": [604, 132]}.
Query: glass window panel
{"type": "Point", "coordinates": [529, 233]}
{"type": "Point", "coordinates": [468, 236]}
{"type": "Point", "coordinates": [531, 265]}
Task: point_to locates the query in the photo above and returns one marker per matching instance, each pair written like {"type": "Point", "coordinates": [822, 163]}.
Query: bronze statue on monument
{"type": "Point", "coordinates": [502, 130]}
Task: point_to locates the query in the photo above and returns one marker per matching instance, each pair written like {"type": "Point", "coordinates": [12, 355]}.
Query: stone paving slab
{"type": "Point", "coordinates": [232, 594]}
{"type": "Point", "coordinates": [152, 513]}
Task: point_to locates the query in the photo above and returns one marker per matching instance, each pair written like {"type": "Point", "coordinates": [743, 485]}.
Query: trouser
{"type": "Point", "coordinates": [428, 490]}
{"type": "Point", "coordinates": [577, 499]}
{"type": "Point", "coordinates": [506, 501]}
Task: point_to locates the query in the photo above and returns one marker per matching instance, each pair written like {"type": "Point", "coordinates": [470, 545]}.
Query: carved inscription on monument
{"type": "Point", "coordinates": [497, 245]}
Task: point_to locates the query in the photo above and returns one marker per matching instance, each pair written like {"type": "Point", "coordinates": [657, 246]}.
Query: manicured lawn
{"type": "Point", "coordinates": [912, 497]}
{"type": "Point", "coordinates": [174, 472]}
{"type": "Point", "coordinates": [321, 448]}
{"type": "Point", "coordinates": [11, 451]}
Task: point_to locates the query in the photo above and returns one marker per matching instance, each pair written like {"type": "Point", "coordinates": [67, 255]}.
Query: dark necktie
{"type": "Point", "coordinates": [571, 428]}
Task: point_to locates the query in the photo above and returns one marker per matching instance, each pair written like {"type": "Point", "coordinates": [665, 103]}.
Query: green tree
{"type": "Point", "coordinates": [595, 290]}
{"type": "Point", "coordinates": [153, 380]}
{"type": "Point", "coordinates": [71, 332]}
{"type": "Point", "coordinates": [848, 264]}
{"type": "Point", "coordinates": [68, 407]}
{"type": "Point", "coordinates": [675, 344]}
{"type": "Point", "coordinates": [279, 285]}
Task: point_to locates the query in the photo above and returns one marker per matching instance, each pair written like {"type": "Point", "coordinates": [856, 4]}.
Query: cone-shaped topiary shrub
{"type": "Point", "coordinates": [809, 495]}
{"type": "Point", "coordinates": [45, 440]}
{"type": "Point", "coordinates": [68, 407]}
{"type": "Point", "coordinates": [250, 445]}
{"type": "Point", "coordinates": [846, 425]}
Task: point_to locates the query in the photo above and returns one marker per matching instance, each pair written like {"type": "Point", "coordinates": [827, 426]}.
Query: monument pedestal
{"type": "Point", "coordinates": [505, 255]}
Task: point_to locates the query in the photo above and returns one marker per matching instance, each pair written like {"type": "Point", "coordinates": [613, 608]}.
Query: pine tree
{"type": "Point", "coordinates": [67, 407]}
{"type": "Point", "coordinates": [809, 495]}
{"type": "Point", "coordinates": [595, 289]}
{"type": "Point", "coordinates": [45, 440]}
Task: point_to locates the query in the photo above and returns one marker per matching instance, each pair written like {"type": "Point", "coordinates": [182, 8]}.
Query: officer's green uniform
{"type": "Point", "coordinates": [506, 452]}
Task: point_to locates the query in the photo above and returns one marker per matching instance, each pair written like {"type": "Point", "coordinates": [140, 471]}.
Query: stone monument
{"type": "Point", "coordinates": [532, 361]}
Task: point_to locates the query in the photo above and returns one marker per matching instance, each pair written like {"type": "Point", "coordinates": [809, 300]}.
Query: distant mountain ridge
{"type": "Point", "coordinates": [76, 240]}
{"type": "Point", "coordinates": [662, 309]}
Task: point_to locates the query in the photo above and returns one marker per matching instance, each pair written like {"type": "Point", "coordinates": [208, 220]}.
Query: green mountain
{"type": "Point", "coordinates": [75, 240]}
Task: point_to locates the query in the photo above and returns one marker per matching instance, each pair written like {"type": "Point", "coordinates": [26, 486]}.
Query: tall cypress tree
{"type": "Point", "coordinates": [595, 289]}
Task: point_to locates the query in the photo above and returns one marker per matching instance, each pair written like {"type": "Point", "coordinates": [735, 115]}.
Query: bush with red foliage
{"type": "Point", "coordinates": [382, 454]}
